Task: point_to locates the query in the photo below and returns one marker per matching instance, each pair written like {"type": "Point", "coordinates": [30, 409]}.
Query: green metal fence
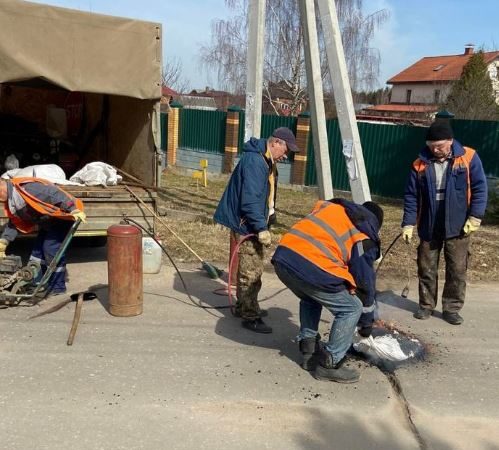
{"type": "Point", "coordinates": [269, 123]}
{"type": "Point", "coordinates": [388, 149]}
{"type": "Point", "coordinates": [202, 130]}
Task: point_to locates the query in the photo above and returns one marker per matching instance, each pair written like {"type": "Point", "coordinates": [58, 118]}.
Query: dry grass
{"type": "Point", "coordinates": [189, 212]}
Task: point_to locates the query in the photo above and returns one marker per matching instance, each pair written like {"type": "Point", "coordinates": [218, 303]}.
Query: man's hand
{"type": "Point", "coordinates": [472, 224]}
{"type": "Point", "coordinates": [407, 233]}
{"type": "Point", "coordinates": [3, 246]}
{"type": "Point", "coordinates": [77, 214]}
{"type": "Point", "coordinates": [265, 238]}
{"type": "Point", "coordinates": [365, 332]}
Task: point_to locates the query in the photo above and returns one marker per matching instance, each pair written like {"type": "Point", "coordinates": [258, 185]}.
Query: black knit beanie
{"type": "Point", "coordinates": [376, 210]}
{"type": "Point", "coordinates": [439, 131]}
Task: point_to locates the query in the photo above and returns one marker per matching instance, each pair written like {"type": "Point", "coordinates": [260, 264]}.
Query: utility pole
{"type": "Point", "coordinates": [352, 148]}
{"type": "Point", "coordinates": [316, 98]}
{"type": "Point", "coordinates": [254, 60]}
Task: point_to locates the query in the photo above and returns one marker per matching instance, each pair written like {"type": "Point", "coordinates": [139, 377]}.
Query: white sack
{"type": "Point", "coordinates": [97, 173]}
{"type": "Point", "coordinates": [49, 172]}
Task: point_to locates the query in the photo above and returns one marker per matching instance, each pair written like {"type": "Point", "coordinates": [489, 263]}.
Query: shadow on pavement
{"type": "Point", "coordinates": [390, 298]}
{"type": "Point", "coordinates": [348, 431]}
{"type": "Point", "coordinates": [201, 289]}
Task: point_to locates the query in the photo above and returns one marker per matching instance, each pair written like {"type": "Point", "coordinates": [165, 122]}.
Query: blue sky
{"type": "Point", "coordinates": [415, 28]}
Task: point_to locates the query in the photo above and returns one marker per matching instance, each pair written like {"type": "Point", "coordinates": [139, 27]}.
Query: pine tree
{"type": "Point", "coordinates": [472, 96]}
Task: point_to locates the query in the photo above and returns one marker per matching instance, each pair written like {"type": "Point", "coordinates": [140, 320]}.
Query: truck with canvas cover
{"type": "Point", "coordinates": [79, 87]}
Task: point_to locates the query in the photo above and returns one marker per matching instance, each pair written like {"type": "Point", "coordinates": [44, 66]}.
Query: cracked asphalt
{"type": "Point", "coordinates": [182, 377]}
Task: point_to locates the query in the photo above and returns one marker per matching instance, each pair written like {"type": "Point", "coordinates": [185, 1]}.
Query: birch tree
{"type": "Point", "coordinates": [284, 64]}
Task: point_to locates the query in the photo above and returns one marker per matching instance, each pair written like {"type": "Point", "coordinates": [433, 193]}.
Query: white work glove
{"type": "Point", "coordinates": [407, 233]}
{"type": "Point", "coordinates": [265, 238]}
{"type": "Point", "coordinates": [77, 214]}
{"type": "Point", "coordinates": [3, 246]}
{"type": "Point", "coordinates": [472, 224]}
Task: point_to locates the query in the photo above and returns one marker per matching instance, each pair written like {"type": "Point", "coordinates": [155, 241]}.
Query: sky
{"type": "Point", "coordinates": [415, 29]}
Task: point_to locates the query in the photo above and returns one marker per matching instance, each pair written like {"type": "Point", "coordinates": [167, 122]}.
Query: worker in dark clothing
{"type": "Point", "coordinates": [446, 197]}
{"type": "Point", "coordinates": [247, 207]}
{"type": "Point", "coordinates": [34, 202]}
{"type": "Point", "coordinates": [326, 260]}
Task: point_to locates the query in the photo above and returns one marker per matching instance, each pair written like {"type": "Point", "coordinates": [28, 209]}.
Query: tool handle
{"type": "Point", "coordinates": [163, 222]}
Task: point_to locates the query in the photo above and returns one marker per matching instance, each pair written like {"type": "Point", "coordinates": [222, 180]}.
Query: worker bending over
{"type": "Point", "coordinates": [31, 202]}
{"type": "Point", "coordinates": [326, 259]}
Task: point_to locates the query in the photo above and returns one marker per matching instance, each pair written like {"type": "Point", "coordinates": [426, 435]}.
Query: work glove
{"type": "Point", "coordinates": [378, 261]}
{"type": "Point", "coordinates": [77, 214]}
{"type": "Point", "coordinates": [265, 238]}
{"type": "Point", "coordinates": [472, 224]}
{"type": "Point", "coordinates": [365, 332]}
{"type": "Point", "coordinates": [3, 246]}
{"type": "Point", "coordinates": [407, 233]}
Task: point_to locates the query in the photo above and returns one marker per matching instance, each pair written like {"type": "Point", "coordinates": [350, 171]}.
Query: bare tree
{"type": "Point", "coordinates": [284, 64]}
{"type": "Point", "coordinates": [173, 77]}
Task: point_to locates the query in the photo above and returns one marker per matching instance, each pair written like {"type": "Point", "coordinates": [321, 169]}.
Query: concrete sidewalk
{"type": "Point", "coordinates": [181, 377]}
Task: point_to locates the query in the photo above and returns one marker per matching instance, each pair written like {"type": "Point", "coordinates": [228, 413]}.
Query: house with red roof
{"type": "Point", "coordinates": [418, 90]}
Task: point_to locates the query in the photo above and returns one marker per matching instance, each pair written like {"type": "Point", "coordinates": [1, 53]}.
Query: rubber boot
{"type": "Point", "coordinates": [328, 371]}
{"type": "Point", "coordinates": [309, 348]}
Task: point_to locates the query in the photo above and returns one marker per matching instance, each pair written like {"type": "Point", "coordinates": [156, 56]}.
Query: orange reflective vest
{"type": "Point", "coordinates": [45, 209]}
{"type": "Point", "coordinates": [460, 162]}
{"type": "Point", "coordinates": [325, 238]}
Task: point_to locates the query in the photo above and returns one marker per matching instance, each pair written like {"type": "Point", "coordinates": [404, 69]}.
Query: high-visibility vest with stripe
{"type": "Point", "coordinates": [38, 205]}
{"type": "Point", "coordinates": [460, 162]}
{"type": "Point", "coordinates": [325, 238]}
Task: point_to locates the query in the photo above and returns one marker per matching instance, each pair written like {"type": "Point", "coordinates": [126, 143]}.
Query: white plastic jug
{"type": "Point", "coordinates": [151, 255]}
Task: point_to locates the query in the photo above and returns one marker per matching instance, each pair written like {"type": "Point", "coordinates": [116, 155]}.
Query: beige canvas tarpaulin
{"type": "Point", "coordinates": [79, 51]}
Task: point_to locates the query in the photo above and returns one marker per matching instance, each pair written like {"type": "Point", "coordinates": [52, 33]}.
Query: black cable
{"type": "Point", "coordinates": [197, 304]}
{"type": "Point", "coordinates": [388, 251]}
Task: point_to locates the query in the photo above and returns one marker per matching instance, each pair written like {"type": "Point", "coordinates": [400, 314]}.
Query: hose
{"type": "Point", "coordinates": [405, 290]}
{"type": "Point", "coordinates": [197, 304]}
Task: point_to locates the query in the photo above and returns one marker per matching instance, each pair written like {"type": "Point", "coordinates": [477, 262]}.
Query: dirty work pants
{"type": "Point", "coordinates": [456, 253]}
{"type": "Point", "coordinates": [345, 307]}
{"type": "Point", "coordinates": [47, 243]}
{"type": "Point", "coordinates": [249, 278]}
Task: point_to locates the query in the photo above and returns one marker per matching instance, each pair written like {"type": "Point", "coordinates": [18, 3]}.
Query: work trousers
{"type": "Point", "coordinates": [47, 244]}
{"type": "Point", "coordinates": [456, 254]}
{"type": "Point", "coordinates": [249, 277]}
{"type": "Point", "coordinates": [344, 306]}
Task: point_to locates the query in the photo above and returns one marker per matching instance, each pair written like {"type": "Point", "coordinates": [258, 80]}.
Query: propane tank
{"type": "Point", "coordinates": [124, 269]}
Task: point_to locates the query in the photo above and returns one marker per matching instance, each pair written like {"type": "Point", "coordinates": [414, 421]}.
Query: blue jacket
{"type": "Point", "coordinates": [420, 206]}
{"type": "Point", "coordinates": [244, 205]}
{"type": "Point", "coordinates": [47, 193]}
{"type": "Point", "coordinates": [360, 264]}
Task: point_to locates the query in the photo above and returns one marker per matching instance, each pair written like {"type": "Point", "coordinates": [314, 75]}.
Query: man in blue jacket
{"type": "Point", "coordinates": [445, 197]}
{"type": "Point", "coordinates": [247, 207]}
{"type": "Point", "coordinates": [327, 261]}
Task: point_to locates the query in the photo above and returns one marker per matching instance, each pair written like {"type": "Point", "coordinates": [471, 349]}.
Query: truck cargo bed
{"type": "Point", "coordinates": [106, 206]}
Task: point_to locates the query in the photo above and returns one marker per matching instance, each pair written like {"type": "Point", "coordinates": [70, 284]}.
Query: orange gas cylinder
{"type": "Point", "coordinates": [124, 270]}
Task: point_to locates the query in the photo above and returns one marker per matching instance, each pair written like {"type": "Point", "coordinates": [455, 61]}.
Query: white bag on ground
{"type": "Point", "coordinates": [97, 173]}
{"type": "Point", "coordinates": [385, 347]}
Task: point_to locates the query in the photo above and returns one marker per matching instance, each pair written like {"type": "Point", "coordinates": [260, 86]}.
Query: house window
{"type": "Point", "coordinates": [408, 94]}
{"type": "Point", "coordinates": [436, 96]}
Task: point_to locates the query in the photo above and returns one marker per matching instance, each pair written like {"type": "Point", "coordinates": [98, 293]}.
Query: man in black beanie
{"type": "Point", "coordinates": [446, 196]}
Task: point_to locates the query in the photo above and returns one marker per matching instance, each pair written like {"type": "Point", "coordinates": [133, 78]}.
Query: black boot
{"type": "Point", "coordinates": [328, 371]}
{"type": "Point", "coordinates": [309, 348]}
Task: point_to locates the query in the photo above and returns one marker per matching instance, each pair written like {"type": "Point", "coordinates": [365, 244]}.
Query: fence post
{"type": "Point", "coordinates": [231, 138]}
{"type": "Point", "coordinates": [173, 133]}
{"type": "Point", "coordinates": [300, 158]}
